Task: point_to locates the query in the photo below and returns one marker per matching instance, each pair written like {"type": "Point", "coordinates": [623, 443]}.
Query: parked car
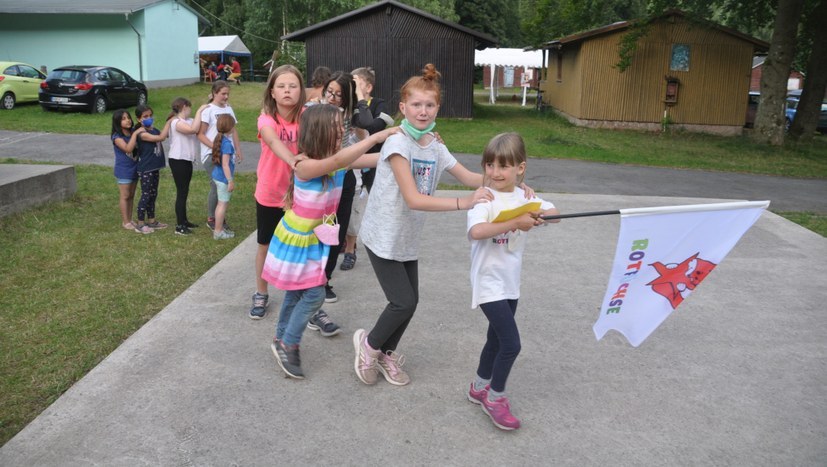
{"type": "Point", "coordinates": [19, 82]}
{"type": "Point", "coordinates": [91, 88]}
{"type": "Point", "coordinates": [792, 104]}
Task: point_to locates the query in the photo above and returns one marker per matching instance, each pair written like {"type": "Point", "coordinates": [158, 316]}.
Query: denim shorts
{"type": "Point", "coordinates": [223, 195]}
{"type": "Point", "coordinates": [126, 181]}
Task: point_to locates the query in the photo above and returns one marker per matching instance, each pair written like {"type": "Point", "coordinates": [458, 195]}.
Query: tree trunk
{"type": "Point", "coordinates": [809, 106]}
{"type": "Point", "coordinates": [769, 121]}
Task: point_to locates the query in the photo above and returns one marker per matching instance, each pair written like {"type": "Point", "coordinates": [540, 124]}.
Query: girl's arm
{"type": "Point", "coordinates": [202, 135]}
{"type": "Point", "coordinates": [191, 129]}
{"type": "Point", "coordinates": [416, 200]}
{"type": "Point", "coordinates": [146, 136]}
{"type": "Point", "coordinates": [271, 139]}
{"type": "Point", "coordinates": [312, 168]}
{"type": "Point", "coordinates": [238, 156]}
{"type": "Point", "coordinates": [366, 161]}
{"type": "Point", "coordinates": [225, 166]}
{"type": "Point", "coordinates": [127, 148]}
{"type": "Point", "coordinates": [485, 230]}
{"type": "Point", "coordinates": [465, 176]}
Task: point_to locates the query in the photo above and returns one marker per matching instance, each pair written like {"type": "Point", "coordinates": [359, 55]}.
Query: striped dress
{"type": "Point", "coordinates": [295, 258]}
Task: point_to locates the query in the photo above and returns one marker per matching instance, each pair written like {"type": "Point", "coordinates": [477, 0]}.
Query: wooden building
{"type": "Point", "coordinates": [397, 40]}
{"type": "Point", "coordinates": [692, 75]}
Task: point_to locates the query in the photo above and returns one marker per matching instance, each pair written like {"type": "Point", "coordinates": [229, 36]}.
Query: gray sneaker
{"type": "Point", "coordinates": [287, 356]}
{"type": "Point", "coordinates": [322, 323]}
{"type": "Point", "coordinates": [366, 365]}
{"type": "Point", "coordinates": [259, 308]}
{"type": "Point", "coordinates": [223, 235]}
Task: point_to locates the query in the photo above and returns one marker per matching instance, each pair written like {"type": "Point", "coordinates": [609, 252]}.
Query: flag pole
{"type": "Point", "coordinates": [581, 214]}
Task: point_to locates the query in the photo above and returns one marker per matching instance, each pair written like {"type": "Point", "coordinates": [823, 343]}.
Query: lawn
{"type": "Point", "coordinates": [546, 135]}
{"type": "Point", "coordinates": [74, 284]}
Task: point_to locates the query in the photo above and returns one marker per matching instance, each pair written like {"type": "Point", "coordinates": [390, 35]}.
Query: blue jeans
{"type": "Point", "coordinates": [503, 343]}
{"type": "Point", "coordinates": [296, 310]}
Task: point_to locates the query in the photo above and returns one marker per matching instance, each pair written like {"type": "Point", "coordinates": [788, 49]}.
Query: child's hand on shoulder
{"type": "Point", "coordinates": [381, 136]}
{"type": "Point", "coordinates": [480, 195]}
{"type": "Point", "coordinates": [529, 192]}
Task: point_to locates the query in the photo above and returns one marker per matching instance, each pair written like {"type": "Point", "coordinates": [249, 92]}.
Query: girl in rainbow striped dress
{"type": "Point", "coordinates": [296, 258]}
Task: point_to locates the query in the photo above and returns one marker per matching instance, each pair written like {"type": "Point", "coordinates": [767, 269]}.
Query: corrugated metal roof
{"type": "Point", "coordinates": [484, 39]}
{"type": "Point", "coordinates": [621, 25]}
{"type": "Point", "coordinates": [101, 7]}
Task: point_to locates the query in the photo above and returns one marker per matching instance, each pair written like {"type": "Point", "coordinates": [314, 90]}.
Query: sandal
{"type": "Point", "coordinates": [157, 225]}
{"type": "Point", "coordinates": [144, 229]}
{"type": "Point", "coordinates": [129, 226]}
{"type": "Point", "coordinates": [348, 262]}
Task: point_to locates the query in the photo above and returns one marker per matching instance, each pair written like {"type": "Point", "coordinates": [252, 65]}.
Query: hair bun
{"type": "Point", "coordinates": [430, 73]}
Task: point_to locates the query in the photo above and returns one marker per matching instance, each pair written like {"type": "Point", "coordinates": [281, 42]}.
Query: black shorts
{"type": "Point", "coordinates": [267, 219]}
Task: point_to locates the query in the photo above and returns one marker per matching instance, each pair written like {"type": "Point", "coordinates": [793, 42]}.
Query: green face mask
{"type": "Point", "coordinates": [413, 131]}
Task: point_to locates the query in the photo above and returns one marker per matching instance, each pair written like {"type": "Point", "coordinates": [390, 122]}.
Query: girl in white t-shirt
{"type": "Point", "coordinates": [406, 179]}
{"type": "Point", "coordinates": [497, 244]}
{"type": "Point", "coordinates": [183, 148]}
{"type": "Point", "coordinates": [219, 104]}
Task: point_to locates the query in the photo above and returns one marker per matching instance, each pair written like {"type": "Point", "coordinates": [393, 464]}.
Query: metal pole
{"type": "Point", "coordinates": [580, 214]}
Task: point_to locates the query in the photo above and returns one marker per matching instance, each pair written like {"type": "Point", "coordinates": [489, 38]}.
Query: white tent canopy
{"type": "Point", "coordinates": [509, 57]}
{"type": "Point", "coordinates": [493, 58]}
{"type": "Point", "coordinates": [230, 45]}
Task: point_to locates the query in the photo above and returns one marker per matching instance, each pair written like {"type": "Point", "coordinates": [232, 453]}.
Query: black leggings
{"type": "Point", "coordinates": [149, 193]}
{"type": "Point", "coordinates": [502, 344]}
{"type": "Point", "coordinates": [400, 282]}
{"type": "Point", "coordinates": [343, 216]}
{"type": "Point", "coordinates": [182, 174]}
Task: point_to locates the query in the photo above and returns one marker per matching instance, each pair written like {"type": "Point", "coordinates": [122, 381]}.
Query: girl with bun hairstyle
{"type": "Point", "coordinates": [409, 167]}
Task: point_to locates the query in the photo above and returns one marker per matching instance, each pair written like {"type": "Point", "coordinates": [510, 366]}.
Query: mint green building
{"type": "Point", "coordinates": [154, 41]}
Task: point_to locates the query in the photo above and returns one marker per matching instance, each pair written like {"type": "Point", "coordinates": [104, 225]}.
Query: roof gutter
{"type": "Point", "coordinates": [140, 50]}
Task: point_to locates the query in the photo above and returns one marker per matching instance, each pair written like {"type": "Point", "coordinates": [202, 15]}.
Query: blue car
{"type": "Point", "coordinates": [792, 103]}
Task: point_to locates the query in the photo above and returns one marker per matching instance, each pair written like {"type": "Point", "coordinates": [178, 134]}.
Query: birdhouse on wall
{"type": "Point", "coordinates": [672, 85]}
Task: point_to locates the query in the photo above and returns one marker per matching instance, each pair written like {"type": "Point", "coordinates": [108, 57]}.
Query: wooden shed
{"type": "Point", "coordinates": [694, 75]}
{"type": "Point", "coordinates": [397, 40]}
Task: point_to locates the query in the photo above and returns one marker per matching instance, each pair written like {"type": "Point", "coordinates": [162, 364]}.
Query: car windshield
{"type": "Point", "coordinates": [69, 76]}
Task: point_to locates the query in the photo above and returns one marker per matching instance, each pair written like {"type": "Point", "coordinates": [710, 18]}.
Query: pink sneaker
{"type": "Point", "coordinates": [500, 413]}
{"type": "Point", "coordinates": [477, 396]}
{"type": "Point", "coordinates": [390, 365]}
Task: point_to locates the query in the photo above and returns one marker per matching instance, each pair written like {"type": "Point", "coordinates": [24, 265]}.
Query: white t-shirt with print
{"type": "Point", "coordinates": [389, 227]}
{"type": "Point", "coordinates": [496, 262]}
{"type": "Point", "coordinates": [209, 117]}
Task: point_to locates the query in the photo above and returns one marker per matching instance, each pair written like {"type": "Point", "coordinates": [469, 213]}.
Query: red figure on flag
{"type": "Point", "coordinates": [678, 279]}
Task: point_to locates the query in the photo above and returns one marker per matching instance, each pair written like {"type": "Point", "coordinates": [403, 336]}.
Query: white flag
{"type": "Point", "coordinates": [662, 255]}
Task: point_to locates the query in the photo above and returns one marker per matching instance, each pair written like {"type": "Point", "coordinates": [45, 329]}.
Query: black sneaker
{"type": "Point", "coordinates": [288, 358]}
{"type": "Point", "coordinates": [211, 223]}
{"type": "Point", "coordinates": [182, 230]}
{"type": "Point", "coordinates": [322, 323]}
{"type": "Point", "coordinates": [348, 262]}
{"type": "Point", "coordinates": [329, 295]}
{"type": "Point", "coordinates": [259, 308]}
{"type": "Point", "coordinates": [190, 225]}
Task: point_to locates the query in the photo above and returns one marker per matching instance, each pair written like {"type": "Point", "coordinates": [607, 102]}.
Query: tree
{"type": "Point", "coordinates": [769, 120]}
{"type": "Point", "coordinates": [493, 17]}
{"type": "Point", "coordinates": [809, 106]}
{"type": "Point", "coordinates": [552, 19]}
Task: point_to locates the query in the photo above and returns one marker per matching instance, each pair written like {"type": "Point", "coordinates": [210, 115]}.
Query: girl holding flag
{"type": "Point", "coordinates": [497, 233]}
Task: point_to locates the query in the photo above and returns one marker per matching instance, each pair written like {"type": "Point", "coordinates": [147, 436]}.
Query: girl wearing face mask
{"type": "Point", "coordinates": [150, 162]}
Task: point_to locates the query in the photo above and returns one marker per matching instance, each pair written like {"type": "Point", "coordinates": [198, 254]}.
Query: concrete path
{"type": "Point", "coordinates": [546, 175]}
{"type": "Point", "coordinates": [736, 376]}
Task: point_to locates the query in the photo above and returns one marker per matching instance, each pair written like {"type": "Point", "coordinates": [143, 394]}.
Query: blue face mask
{"type": "Point", "coordinates": [147, 122]}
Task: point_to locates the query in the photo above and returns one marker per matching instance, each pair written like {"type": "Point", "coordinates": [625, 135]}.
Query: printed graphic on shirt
{"type": "Point", "coordinates": [423, 173]}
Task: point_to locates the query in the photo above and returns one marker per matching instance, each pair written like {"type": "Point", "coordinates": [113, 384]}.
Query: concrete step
{"type": "Point", "coordinates": [23, 186]}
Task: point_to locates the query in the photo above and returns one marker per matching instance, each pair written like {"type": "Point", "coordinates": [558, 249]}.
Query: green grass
{"type": "Point", "coordinates": [74, 284]}
{"type": "Point", "coordinates": [546, 135]}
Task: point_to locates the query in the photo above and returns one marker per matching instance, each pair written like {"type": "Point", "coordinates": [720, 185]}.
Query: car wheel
{"type": "Point", "coordinates": [141, 98]}
{"type": "Point", "coordinates": [8, 101]}
{"type": "Point", "coordinates": [99, 106]}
